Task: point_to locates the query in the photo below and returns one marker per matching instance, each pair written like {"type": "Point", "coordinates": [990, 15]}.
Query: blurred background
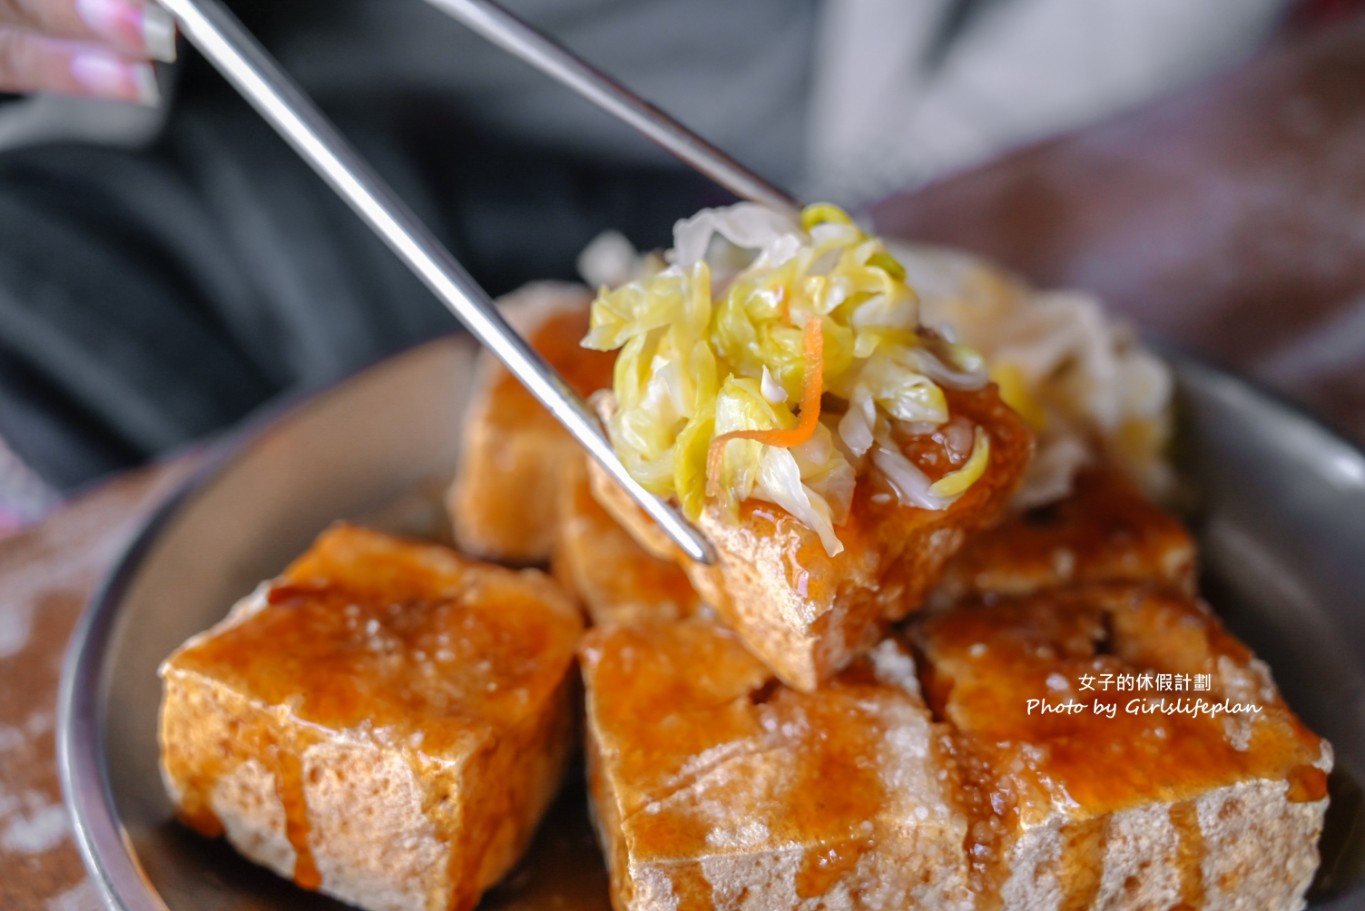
{"type": "Point", "coordinates": [165, 270]}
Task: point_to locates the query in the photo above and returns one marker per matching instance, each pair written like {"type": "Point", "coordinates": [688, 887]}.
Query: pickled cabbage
{"type": "Point", "coordinates": [1078, 375]}
{"type": "Point", "coordinates": [768, 360]}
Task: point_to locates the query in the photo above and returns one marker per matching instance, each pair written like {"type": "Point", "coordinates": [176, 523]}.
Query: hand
{"type": "Point", "coordinates": [99, 48]}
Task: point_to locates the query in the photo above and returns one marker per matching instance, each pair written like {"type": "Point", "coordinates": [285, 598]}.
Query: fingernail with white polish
{"type": "Point", "coordinates": [132, 25]}
{"type": "Point", "coordinates": [145, 84]}
{"type": "Point", "coordinates": [158, 34]}
{"type": "Point", "coordinates": [110, 77]}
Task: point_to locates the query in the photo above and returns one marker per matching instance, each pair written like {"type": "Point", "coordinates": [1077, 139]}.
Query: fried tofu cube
{"type": "Point", "coordinates": [807, 614]}
{"type": "Point", "coordinates": [502, 502]}
{"type": "Point", "coordinates": [1101, 774]}
{"type": "Point", "coordinates": [385, 722]}
{"type": "Point", "coordinates": [714, 786]}
{"type": "Point", "coordinates": [1105, 531]}
{"type": "Point", "coordinates": [615, 579]}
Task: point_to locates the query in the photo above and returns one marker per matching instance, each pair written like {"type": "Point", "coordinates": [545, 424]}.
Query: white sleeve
{"type": "Point", "coordinates": [899, 98]}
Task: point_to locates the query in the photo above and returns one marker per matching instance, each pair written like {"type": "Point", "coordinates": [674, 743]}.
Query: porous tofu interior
{"type": "Point", "coordinates": [712, 780]}
{"type": "Point", "coordinates": [990, 666]}
{"type": "Point", "coordinates": [716, 786]}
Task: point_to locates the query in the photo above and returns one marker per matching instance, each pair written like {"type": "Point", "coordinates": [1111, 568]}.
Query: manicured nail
{"type": "Point", "coordinates": [133, 25]}
{"type": "Point", "coordinates": [158, 34]}
{"type": "Point", "coordinates": [111, 77]}
{"type": "Point", "coordinates": [148, 91]}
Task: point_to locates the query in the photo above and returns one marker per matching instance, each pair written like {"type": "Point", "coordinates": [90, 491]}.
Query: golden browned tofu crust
{"type": "Point", "coordinates": [1106, 530]}
{"type": "Point", "coordinates": [512, 465]}
{"type": "Point", "coordinates": [385, 722]}
{"type": "Point", "coordinates": [614, 578]}
{"type": "Point", "coordinates": [716, 787]}
{"type": "Point", "coordinates": [807, 614]}
{"type": "Point", "coordinates": [1096, 778]}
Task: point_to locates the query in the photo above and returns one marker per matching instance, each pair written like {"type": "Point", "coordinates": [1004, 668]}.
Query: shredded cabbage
{"type": "Point", "coordinates": [1078, 376]}
{"type": "Point", "coordinates": [769, 360]}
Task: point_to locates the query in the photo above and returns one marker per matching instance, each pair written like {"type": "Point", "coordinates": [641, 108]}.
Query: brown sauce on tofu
{"type": "Point", "coordinates": [343, 661]}
{"type": "Point", "coordinates": [823, 868]}
{"type": "Point", "coordinates": [804, 767]}
{"type": "Point", "coordinates": [1307, 784]}
{"type": "Point", "coordinates": [944, 449]}
{"type": "Point", "coordinates": [987, 660]}
{"type": "Point", "coordinates": [1190, 853]}
{"type": "Point", "coordinates": [254, 737]}
{"type": "Point", "coordinates": [288, 772]}
{"type": "Point", "coordinates": [393, 641]}
{"type": "Point", "coordinates": [878, 527]}
{"type": "Point", "coordinates": [1082, 862]}
{"type": "Point", "coordinates": [557, 340]}
{"type": "Point", "coordinates": [1106, 531]}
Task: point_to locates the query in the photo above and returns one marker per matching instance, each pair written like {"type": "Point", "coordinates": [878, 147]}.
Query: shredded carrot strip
{"type": "Point", "coordinates": [813, 353]}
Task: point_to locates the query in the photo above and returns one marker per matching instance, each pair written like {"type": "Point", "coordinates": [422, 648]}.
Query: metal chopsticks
{"type": "Point", "coordinates": [533, 46]}
{"type": "Point", "coordinates": [237, 55]}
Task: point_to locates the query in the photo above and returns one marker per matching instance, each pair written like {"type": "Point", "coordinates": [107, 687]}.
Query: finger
{"type": "Point", "coordinates": [132, 27]}
{"type": "Point", "coordinates": [30, 63]}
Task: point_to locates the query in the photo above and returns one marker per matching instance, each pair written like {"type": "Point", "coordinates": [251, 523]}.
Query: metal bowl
{"type": "Point", "coordinates": [1280, 519]}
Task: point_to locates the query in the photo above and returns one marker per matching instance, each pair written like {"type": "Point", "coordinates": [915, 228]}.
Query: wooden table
{"type": "Point", "coordinates": [1231, 221]}
{"type": "Point", "coordinates": [46, 576]}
